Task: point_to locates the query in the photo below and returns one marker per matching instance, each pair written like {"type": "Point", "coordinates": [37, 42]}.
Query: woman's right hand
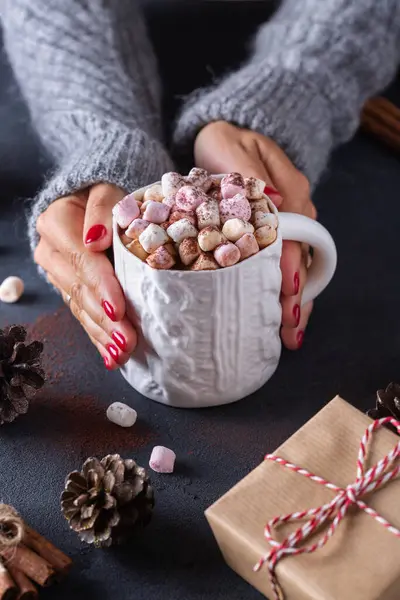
{"type": "Point", "coordinates": [74, 233]}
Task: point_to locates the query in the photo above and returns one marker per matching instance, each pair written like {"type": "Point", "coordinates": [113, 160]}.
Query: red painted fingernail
{"type": "Point", "coordinates": [300, 338]}
{"type": "Point", "coordinates": [107, 363]}
{"type": "Point", "coordinates": [95, 233]}
{"type": "Point", "coordinates": [109, 310]}
{"type": "Point", "coordinates": [120, 340]}
{"type": "Point", "coordinates": [296, 314]}
{"type": "Point", "coordinates": [113, 350]}
{"type": "Point", "coordinates": [296, 281]}
{"type": "Point", "coordinates": [270, 191]}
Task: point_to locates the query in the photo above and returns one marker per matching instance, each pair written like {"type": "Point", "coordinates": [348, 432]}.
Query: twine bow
{"type": "Point", "coordinates": [367, 481]}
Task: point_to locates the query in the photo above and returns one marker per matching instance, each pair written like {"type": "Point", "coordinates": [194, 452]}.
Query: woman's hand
{"type": "Point", "coordinates": [75, 231]}
{"type": "Point", "coordinates": [223, 148]}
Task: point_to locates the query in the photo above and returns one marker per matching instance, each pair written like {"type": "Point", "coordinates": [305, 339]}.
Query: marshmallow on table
{"type": "Point", "coordinates": [205, 262]}
{"type": "Point", "coordinates": [162, 460]}
{"type": "Point", "coordinates": [254, 188]}
{"type": "Point", "coordinates": [200, 178]}
{"type": "Point", "coordinates": [264, 218]}
{"type": "Point", "coordinates": [247, 245]}
{"type": "Point", "coordinates": [171, 182]}
{"type": "Point", "coordinates": [154, 193]}
{"type": "Point", "coordinates": [11, 289]}
{"type": "Point", "coordinates": [234, 229]}
{"type": "Point", "coordinates": [208, 214]}
{"type": "Point", "coordinates": [156, 212]}
{"type": "Point", "coordinates": [136, 228]}
{"type": "Point", "coordinates": [227, 254]}
{"type": "Point", "coordinates": [180, 230]}
{"type": "Point", "coordinates": [177, 215]}
{"type": "Point", "coordinates": [153, 237]}
{"type": "Point", "coordinates": [189, 250]}
{"type": "Point", "coordinates": [209, 238]}
{"type": "Point", "coordinates": [136, 248]}
{"type": "Point", "coordinates": [231, 185]}
{"type": "Point", "coordinates": [236, 207]}
{"type": "Point", "coordinates": [121, 414]}
{"type": "Point", "coordinates": [160, 259]}
{"type": "Point", "coordinates": [265, 235]}
{"type": "Point", "coordinates": [126, 211]}
{"type": "Point", "coordinates": [189, 197]}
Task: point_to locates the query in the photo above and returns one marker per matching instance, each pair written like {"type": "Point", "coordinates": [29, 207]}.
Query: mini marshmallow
{"type": "Point", "coordinates": [136, 228]}
{"type": "Point", "coordinates": [11, 289]}
{"type": "Point", "coordinates": [121, 414]}
{"type": "Point", "coordinates": [200, 178]}
{"type": "Point", "coordinates": [265, 236]}
{"type": "Point", "coordinates": [259, 205]}
{"type": "Point", "coordinates": [189, 197]}
{"type": "Point", "coordinates": [171, 183]}
{"type": "Point", "coordinates": [138, 195]}
{"type": "Point", "coordinates": [162, 460]}
{"type": "Point", "coordinates": [136, 248]}
{"type": "Point", "coordinates": [205, 262]}
{"type": "Point", "coordinates": [215, 194]}
{"type": "Point", "coordinates": [153, 237]}
{"type": "Point", "coordinates": [227, 254]}
{"type": "Point", "coordinates": [209, 238]}
{"type": "Point", "coordinates": [208, 214]}
{"type": "Point", "coordinates": [264, 218]}
{"type": "Point", "coordinates": [144, 205]}
{"type": "Point", "coordinates": [231, 185]}
{"type": "Point", "coordinates": [154, 193]}
{"type": "Point", "coordinates": [233, 229]}
{"type": "Point", "coordinates": [170, 201]}
{"type": "Point", "coordinates": [247, 245]}
{"type": "Point", "coordinates": [236, 207]}
{"type": "Point", "coordinates": [177, 215]}
{"type": "Point", "coordinates": [189, 250]}
{"type": "Point", "coordinates": [181, 230]}
{"type": "Point", "coordinates": [156, 212]}
{"type": "Point", "coordinates": [160, 259]}
{"type": "Point", "coordinates": [171, 249]}
{"type": "Point", "coordinates": [126, 210]}
{"type": "Point", "coordinates": [254, 188]}
{"type": "Point", "coordinates": [125, 239]}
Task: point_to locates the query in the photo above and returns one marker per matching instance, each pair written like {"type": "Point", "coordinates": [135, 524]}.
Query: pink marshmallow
{"type": "Point", "coordinates": [232, 184]}
{"type": "Point", "coordinates": [156, 212]}
{"type": "Point", "coordinates": [126, 211]}
{"type": "Point", "coordinates": [136, 228]}
{"type": "Point", "coordinates": [160, 259]}
{"type": "Point", "coordinates": [227, 254]}
{"type": "Point", "coordinates": [247, 245]}
{"type": "Point", "coordinates": [162, 460]}
{"type": "Point", "coordinates": [236, 207]}
{"type": "Point", "coordinates": [188, 198]}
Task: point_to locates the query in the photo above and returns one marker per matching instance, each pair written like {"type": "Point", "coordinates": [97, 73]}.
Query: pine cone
{"type": "Point", "coordinates": [20, 372]}
{"type": "Point", "coordinates": [107, 500]}
{"type": "Point", "coordinates": [387, 404]}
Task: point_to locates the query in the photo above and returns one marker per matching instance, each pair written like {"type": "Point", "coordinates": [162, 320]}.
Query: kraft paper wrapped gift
{"type": "Point", "coordinates": [362, 559]}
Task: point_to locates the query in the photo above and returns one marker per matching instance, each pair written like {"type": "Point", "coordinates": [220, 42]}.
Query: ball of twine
{"type": "Point", "coordinates": [11, 527]}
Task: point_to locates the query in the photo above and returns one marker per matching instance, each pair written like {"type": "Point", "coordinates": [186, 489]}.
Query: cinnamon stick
{"type": "Point", "coordinates": [60, 561]}
{"type": "Point", "coordinates": [31, 564]}
{"type": "Point", "coordinates": [26, 589]}
{"type": "Point", "coordinates": [8, 589]}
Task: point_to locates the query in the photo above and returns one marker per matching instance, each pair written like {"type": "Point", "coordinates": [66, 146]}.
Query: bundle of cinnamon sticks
{"type": "Point", "coordinates": [381, 119]}
{"type": "Point", "coordinates": [27, 558]}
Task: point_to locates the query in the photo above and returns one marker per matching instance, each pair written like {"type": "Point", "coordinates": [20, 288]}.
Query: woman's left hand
{"type": "Point", "coordinates": [223, 148]}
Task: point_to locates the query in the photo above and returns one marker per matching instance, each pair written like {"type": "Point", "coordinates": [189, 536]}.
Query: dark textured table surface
{"type": "Point", "coordinates": [351, 348]}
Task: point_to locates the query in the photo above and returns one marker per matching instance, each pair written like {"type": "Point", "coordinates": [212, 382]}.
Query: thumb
{"type": "Point", "coordinates": [97, 231]}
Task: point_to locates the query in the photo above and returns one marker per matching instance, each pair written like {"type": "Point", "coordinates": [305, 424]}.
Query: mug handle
{"type": "Point", "coordinates": [299, 228]}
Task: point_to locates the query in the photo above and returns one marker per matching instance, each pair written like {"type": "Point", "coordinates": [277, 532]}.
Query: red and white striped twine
{"type": "Point", "coordinates": [367, 481]}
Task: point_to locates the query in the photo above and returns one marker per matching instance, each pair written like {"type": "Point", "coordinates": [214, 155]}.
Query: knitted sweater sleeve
{"type": "Point", "coordinates": [88, 75]}
{"type": "Point", "coordinates": [313, 66]}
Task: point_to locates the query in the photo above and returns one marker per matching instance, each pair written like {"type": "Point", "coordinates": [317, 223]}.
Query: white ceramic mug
{"type": "Point", "coordinates": [212, 337]}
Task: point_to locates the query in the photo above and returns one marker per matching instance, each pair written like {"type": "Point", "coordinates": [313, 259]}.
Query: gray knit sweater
{"type": "Point", "coordinates": [88, 74]}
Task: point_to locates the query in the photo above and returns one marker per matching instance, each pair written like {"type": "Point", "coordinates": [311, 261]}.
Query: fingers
{"type": "Point", "coordinates": [293, 338]}
{"type": "Point", "coordinates": [290, 266]}
{"type": "Point", "coordinates": [97, 230]}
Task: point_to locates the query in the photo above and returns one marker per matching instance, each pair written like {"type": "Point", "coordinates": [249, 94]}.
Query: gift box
{"type": "Point", "coordinates": [361, 560]}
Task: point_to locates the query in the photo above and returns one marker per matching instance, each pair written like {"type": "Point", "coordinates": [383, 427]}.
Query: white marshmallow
{"type": "Point", "coordinates": [181, 230]}
{"type": "Point", "coordinates": [264, 218]}
{"type": "Point", "coordinates": [259, 205]}
{"type": "Point", "coordinates": [265, 235]}
{"type": "Point", "coordinates": [136, 228]}
{"type": "Point", "coordinates": [170, 201]}
{"type": "Point", "coordinates": [154, 193]}
{"type": "Point", "coordinates": [162, 460]}
{"type": "Point", "coordinates": [208, 214]}
{"type": "Point", "coordinates": [121, 414]}
{"type": "Point", "coordinates": [153, 237]}
{"type": "Point", "coordinates": [200, 178]}
{"type": "Point", "coordinates": [126, 210]}
{"type": "Point", "coordinates": [171, 183]}
{"type": "Point", "coordinates": [233, 229]}
{"type": "Point", "coordinates": [209, 238]}
{"type": "Point", "coordinates": [227, 254]}
{"type": "Point", "coordinates": [11, 289]}
{"type": "Point", "coordinates": [254, 188]}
